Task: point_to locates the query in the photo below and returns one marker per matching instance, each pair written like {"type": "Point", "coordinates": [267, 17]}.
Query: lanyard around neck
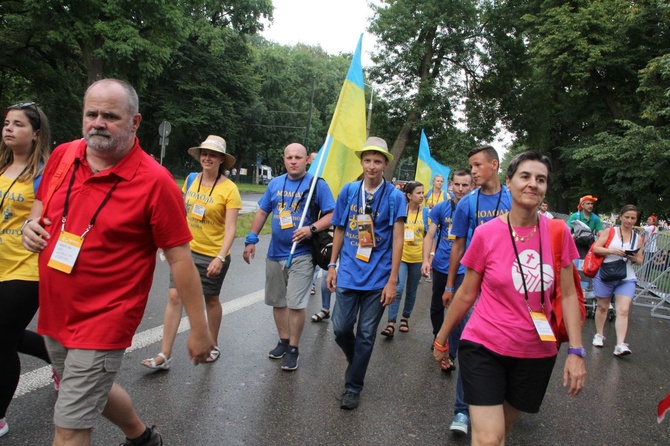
{"type": "Point", "coordinates": [67, 201]}
{"type": "Point", "coordinates": [213, 185]}
{"type": "Point", "coordinates": [294, 193]}
{"type": "Point", "coordinates": [495, 213]}
{"type": "Point", "coordinates": [518, 261]}
{"type": "Point", "coordinates": [2, 202]}
{"type": "Point", "coordinates": [364, 198]}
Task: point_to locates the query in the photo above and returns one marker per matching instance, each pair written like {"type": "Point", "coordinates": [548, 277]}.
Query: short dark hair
{"type": "Point", "coordinates": [490, 152]}
{"type": "Point", "coordinates": [530, 155]}
{"type": "Point", "coordinates": [410, 186]}
{"type": "Point", "coordinates": [461, 173]}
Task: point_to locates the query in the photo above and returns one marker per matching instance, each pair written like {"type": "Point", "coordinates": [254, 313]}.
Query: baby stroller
{"type": "Point", "coordinates": [590, 301]}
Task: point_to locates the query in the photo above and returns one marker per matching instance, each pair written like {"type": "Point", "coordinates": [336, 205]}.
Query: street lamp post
{"type": "Point", "coordinates": [369, 120]}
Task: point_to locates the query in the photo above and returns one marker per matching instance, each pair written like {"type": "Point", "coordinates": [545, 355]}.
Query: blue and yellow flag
{"type": "Point", "coordinates": [346, 133]}
{"type": "Point", "coordinates": [427, 167]}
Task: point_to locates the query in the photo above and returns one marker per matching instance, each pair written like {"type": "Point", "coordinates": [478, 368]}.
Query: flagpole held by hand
{"type": "Point", "coordinates": [309, 197]}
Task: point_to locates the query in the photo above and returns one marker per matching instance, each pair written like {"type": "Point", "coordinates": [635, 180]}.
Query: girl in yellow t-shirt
{"type": "Point", "coordinates": [436, 194]}
{"type": "Point", "coordinates": [24, 150]}
{"type": "Point", "coordinates": [212, 203]}
{"type": "Point", "coordinates": [409, 274]}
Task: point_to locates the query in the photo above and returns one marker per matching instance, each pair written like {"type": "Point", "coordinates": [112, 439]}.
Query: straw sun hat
{"type": "Point", "coordinates": [375, 144]}
{"type": "Point", "coordinates": [215, 144]}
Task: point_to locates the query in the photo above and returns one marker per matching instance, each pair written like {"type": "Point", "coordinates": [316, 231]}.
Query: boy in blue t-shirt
{"type": "Point", "coordinates": [287, 289]}
{"type": "Point", "coordinates": [369, 220]}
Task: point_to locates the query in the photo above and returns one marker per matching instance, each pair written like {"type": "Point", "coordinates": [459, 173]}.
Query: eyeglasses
{"type": "Point", "coordinates": [25, 105]}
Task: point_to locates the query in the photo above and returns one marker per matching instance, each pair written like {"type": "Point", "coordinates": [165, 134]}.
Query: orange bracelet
{"type": "Point", "coordinates": [441, 348]}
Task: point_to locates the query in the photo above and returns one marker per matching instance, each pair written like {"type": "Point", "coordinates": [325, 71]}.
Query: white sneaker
{"type": "Point", "coordinates": [598, 340]}
{"type": "Point", "coordinates": [4, 427]}
{"type": "Point", "coordinates": [622, 350]}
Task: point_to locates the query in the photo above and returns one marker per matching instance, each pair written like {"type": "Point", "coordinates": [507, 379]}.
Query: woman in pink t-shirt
{"type": "Point", "coordinates": [507, 350]}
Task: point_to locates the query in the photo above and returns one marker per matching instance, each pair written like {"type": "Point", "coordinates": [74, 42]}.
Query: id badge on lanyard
{"type": "Point", "coordinates": [542, 326]}
{"type": "Point", "coordinates": [198, 210]}
{"type": "Point", "coordinates": [286, 219]}
{"type": "Point", "coordinates": [66, 252]}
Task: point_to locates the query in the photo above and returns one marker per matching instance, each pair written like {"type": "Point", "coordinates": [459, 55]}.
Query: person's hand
{"type": "Point", "coordinates": [618, 252]}
{"type": "Point", "coordinates": [574, 373]}
{"type": "Point", "coordinates": [425, 269]}
{"type": "Point", "coordinates": [249, 253]}
{"type": "Point", "coordinates": [301, 234]}
{"type": "Point", "coordinates": [331, 279]}
{"type": "Point", "coordinates": [447, 297]}
{"type": "Point", "coordinates": [200, 344]}
{"type": "Point", "coordinates": [441, 356]}
{"type": "Point", "coordinates": [388, 293]}
{"type": "Point", "coordinates": [214, 268]}
{"type": "Point", "coordinates": [34, 236]}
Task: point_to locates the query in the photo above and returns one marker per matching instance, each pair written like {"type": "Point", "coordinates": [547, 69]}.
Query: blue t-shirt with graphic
{"type": "Point", "coordinates": [442, 215]}
{"type": "Point", "coordinates": [354, 273]}
{"type": "Point", "coordinates": [285, 193]}
{"type": "Point", "coordinates": [487, 207]}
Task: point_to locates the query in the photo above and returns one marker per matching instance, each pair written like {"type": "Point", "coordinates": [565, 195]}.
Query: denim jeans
{"type": "Point", "coordinates": [325, 292]}
{"type": "Point", "coordinates": [350, 306]}
{"type": "Point", "coordinates": [409, 273]}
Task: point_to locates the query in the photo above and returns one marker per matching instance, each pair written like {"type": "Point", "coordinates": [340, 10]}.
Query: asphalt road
{"type": "Point", "coordinates": [245, 399]}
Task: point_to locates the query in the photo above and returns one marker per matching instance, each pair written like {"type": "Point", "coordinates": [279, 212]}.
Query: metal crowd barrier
{"type": "Point", "coordinates": [653, 286]}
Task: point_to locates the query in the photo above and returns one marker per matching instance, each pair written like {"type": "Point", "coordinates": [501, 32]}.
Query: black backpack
{"type": "Point", "coordinates": [322, 241]}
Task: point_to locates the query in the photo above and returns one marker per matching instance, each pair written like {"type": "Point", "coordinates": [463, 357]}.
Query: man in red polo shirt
{"type": "Point", "coordinates": [100, 228]}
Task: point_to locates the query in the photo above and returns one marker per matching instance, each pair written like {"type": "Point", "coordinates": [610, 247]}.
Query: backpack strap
{"type": "Point", "coordinates": [59, 175]}
{"type": "Point", "coordinates": [190, 179]}
{"type": "Point", "coordinates": [557, 235]}
{"type": "Point", "coordinates": [391, 208]}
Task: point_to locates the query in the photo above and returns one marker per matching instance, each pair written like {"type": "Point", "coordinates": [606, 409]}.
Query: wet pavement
{"type": "Point", "coordinates": [245, 399]}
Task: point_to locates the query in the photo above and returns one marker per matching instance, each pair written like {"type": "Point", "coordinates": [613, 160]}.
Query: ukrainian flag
{"type": "Point", "coordinates": [427, 167]}
{"type": "Point", "coordinates": [346, 133]}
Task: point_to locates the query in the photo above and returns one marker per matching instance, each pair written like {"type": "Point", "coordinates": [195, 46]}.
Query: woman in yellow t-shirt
{"type": "Point", "coordinates": [409, 274]}
{"type": "Point", "coordinates": [23, 152]}
{"type": "Point", "coordinates": [212, 206]}
{"type": "Point", "coordinates": [436, 194]}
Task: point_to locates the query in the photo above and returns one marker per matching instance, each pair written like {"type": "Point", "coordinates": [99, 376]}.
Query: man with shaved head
{"type": "Point", "coordinates": [287, 289]}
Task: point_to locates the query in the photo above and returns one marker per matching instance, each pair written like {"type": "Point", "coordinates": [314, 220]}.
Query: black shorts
{"type": "Point", "coordinates": [489, 379]}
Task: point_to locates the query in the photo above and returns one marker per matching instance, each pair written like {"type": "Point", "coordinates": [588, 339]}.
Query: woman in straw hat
{"type": "Point", "coordinates": [212, 205]}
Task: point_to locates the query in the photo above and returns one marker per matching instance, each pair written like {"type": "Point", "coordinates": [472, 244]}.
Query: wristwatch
{"type": "Point", "coordinates": [313, 229]}
{"type": "Point", "coordinates": [579, 351]}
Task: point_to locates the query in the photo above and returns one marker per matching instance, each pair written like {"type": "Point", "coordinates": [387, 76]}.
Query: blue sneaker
{"type": "Point", "coordinates": [460, 424]}
{"type": "Point", "coordinates": [280, 350]}
{"type": "Point", "coordinates": [290, 359]}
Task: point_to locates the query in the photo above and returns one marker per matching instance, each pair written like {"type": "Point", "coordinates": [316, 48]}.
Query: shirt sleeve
{"type": "Point", "coordinates": [475, 255]}
{"type": "Point", "coordinates": [460, 224]}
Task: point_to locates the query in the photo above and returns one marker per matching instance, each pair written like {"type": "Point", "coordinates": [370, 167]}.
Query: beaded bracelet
{"type": "Point", "coordinates": [441, 348]}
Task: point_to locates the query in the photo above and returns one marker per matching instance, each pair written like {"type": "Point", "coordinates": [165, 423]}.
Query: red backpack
{"type": "Point", "coordinates": [557, 230]}
{"type": "Point", "coordinates": [592, 261]}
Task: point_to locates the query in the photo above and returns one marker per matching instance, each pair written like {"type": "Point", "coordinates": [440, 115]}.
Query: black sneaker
{"type": "Point", "coordinates": [280, 350]}
{"type": "Point", "coordinates": [291, 359]}
{"type": "Point", "coordinates": [350, 400]}
{"type": "Point", "coordinates": [154, 440]}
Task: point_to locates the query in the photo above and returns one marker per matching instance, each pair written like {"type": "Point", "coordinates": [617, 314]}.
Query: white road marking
{"type": "Point", "coordinates": [41, 377]}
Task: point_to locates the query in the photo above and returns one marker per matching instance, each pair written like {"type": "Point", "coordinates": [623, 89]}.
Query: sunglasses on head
{"type": "Point", "coordinates": [25, 105]}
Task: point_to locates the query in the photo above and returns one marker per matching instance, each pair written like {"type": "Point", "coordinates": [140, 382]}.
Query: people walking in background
{"type": "Point", "coordinates": [24, 151]}
{"type": "Point", "coordinates": [326, 296]}
{"type": "Point", "coordinates": [436, 257]}
{"type": "Point", "coordinates": [369, 220]}
{"type": "Point", "coordinates": [212, 203]}
{"type": "Point", "coordinates": [409, 274]}
{"type": "Point", "coordinates": [112, 206]}
{"type": "Point", "coordinates": [506, 356]}
{"type": "Point", "coordinates": [287, 289]}
{"type": "Point", "coordinates": [435, 195]}
{"type": "Point", "coordinates": [651, 231]}
{"type": "Point", "coordinates": [585, 224]}
{"type": "Point", "coordinates": [623, 252]}
{"type": "Point", "coordinates": [543, 210]}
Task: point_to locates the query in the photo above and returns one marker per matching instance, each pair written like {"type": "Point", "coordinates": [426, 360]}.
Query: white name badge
{"type": "Point", "coordinates": [363, 253]}
{"type": "Point", "coordinates": [409, 235]}
{"type": "Point", "coordinates": [285, 220]}
{"type": "Point", "coordinates": [198, 210]}
{"type": "Point", "coordinates": [542, 326]}
{"type": "Point", "coordinates": [66, 252]}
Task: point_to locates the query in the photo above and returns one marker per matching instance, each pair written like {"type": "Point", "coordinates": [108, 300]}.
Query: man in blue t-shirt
{"type": "Point", "coordinates": [436, 254]}
{"type": "Point", "coordinates": [489, 200]}
{"type": "Point", "coordinates": [369, 219]}
{"type": "Point", "coordinates": [287, 289]}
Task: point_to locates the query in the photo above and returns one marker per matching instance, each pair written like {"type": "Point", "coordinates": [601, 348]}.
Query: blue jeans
{"type": "Point", "coordinates": [409, 273]}
{"type": "Point", "coordinates": [350, 306]}
{"type": "Point", "coordinates": [325, 292]}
